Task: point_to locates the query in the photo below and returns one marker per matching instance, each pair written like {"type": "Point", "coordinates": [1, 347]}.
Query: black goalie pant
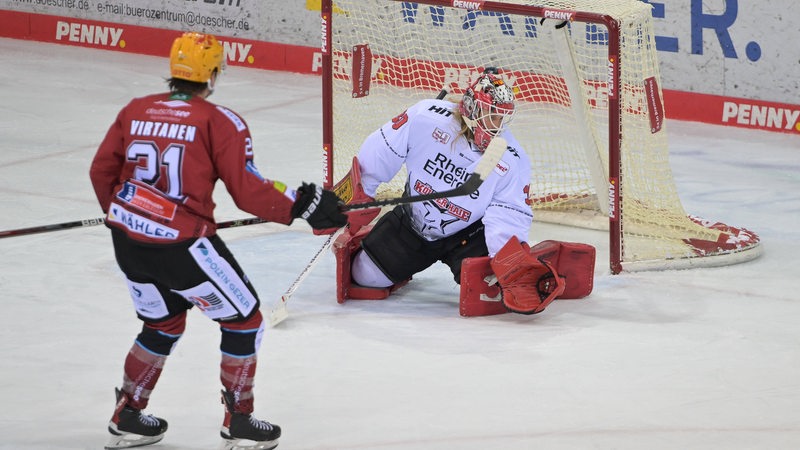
{"type": "Point", "coordinates": [400, 252]}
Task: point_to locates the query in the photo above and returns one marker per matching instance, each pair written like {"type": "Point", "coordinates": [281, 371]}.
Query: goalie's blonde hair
{"type": "Point", "coordinates": [466, 130]}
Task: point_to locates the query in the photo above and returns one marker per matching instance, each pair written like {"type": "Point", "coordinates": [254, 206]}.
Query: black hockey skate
{"type": "Point", "coordinates": [130, 428]}
{"type": "Point", "coordinates": [239, 427]}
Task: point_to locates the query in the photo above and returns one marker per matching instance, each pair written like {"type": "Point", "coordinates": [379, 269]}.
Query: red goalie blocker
{"type": "Point", "coordinates": [350, 191]}
{"type": "Point", "coordinates": [531, 278]}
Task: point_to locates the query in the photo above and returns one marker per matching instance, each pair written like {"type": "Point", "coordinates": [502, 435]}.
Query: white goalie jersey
{"type": "Point", "coordinates": [427, 139]}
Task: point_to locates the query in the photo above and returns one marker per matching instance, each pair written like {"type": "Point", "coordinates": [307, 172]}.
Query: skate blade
{"type": "Point", "coordinates": [241, 444]}
{"type": "Point", "coordinates": [128, 440]}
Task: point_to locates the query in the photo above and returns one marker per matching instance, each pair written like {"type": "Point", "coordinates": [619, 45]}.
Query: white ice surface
{"type": "Point", "coordinates": [698, 359]}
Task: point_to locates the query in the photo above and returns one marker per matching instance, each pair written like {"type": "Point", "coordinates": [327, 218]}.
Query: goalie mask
{"type": "Point", "coordinates": [195, 56]}
{"type": "Point", "coordinates": [487, 107]}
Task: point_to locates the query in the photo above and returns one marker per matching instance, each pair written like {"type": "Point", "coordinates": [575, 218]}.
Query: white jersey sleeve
{"type": "Point", "coordinates": [383, 153]}
{"type": "Point", "coordinates": [509, 213]}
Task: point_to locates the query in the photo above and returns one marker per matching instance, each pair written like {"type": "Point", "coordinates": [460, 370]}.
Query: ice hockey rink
{"type": "Point", "coordinates": [693, 359]}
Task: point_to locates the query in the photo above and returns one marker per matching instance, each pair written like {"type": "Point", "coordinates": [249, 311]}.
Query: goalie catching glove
{"type": "Point", "coordinates": [319, 207]}
{"type": "Point", "coordinates": [530, 278]}
{"type": "Point", "coordinates": [528, 283]}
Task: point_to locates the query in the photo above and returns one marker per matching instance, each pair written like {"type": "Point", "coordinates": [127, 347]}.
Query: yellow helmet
{"type": "Point", "coordinates": [195, 56]}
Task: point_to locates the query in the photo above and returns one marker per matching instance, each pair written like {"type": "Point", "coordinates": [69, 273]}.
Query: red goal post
{"type": "Point", "coordinates": [589, 109]}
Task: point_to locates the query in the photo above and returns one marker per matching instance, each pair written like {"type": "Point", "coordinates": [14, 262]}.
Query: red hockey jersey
{"type": "Point", "coordinates": [155, 171]}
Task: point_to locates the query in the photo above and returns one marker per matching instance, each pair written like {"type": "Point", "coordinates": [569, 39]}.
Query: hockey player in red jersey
{"type": "Point", "coordinates": [440, 142]}
{"type": "Point", "coordinates": [154, 176]}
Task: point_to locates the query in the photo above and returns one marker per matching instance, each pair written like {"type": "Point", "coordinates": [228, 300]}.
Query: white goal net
{"type": "Point", "coordinates": [589, 109]}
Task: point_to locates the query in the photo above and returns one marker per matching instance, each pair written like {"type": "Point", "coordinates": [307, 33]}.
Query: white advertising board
{"type": "Point", "coordinates": [747, 49]}
{"type": "Point", "coordinates": [281, 21]}
{"type": "Point", "coordinates": [735, 48]}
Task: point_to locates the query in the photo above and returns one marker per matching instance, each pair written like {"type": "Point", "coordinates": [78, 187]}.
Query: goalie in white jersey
{"type": "Point", "coordinates": [481, 237]}
{"type": "Point", "coordinates": [440, 143]}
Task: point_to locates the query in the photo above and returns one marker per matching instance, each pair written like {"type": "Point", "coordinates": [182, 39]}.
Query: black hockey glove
{"type": "Point", "coordinates": [320, 208]}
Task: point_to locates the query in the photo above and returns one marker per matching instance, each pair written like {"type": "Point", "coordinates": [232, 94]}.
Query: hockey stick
{"type": "Point", "coordinates": [485, 166]}
{"type": "Point", "coordinates": [279, 312]}
{"type": "Point", "coordinates": [52, 227]}
{"type": "Point", "coordinates": [101, 220]}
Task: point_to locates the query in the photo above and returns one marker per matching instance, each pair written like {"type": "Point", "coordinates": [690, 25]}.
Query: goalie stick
{"type": "Point", "coordinates": [485, 166]}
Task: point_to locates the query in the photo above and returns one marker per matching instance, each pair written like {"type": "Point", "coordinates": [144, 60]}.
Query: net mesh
{"type": "Point", "coordinates": [560, 77]}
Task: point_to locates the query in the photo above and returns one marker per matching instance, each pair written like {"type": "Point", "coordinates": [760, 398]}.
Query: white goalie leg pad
{"type": "Point", "coordinates": [366, 273]}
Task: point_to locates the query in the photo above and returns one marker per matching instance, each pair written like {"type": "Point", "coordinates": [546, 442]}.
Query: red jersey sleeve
{"type": "Point", "coordinates": [232, 153]}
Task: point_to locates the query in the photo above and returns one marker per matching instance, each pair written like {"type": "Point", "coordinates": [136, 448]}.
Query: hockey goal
{"type": "Point", "coordinates": [589, 109]}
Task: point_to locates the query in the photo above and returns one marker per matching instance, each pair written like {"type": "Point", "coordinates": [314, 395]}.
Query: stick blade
{"type": "Point", "coordinates": [279, 313]}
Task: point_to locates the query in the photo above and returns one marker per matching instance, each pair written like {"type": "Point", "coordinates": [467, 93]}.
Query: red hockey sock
{"type": "Point", "coordinates": [142, 369]}
{"type": "Point", "coordinates": [237, 374]}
